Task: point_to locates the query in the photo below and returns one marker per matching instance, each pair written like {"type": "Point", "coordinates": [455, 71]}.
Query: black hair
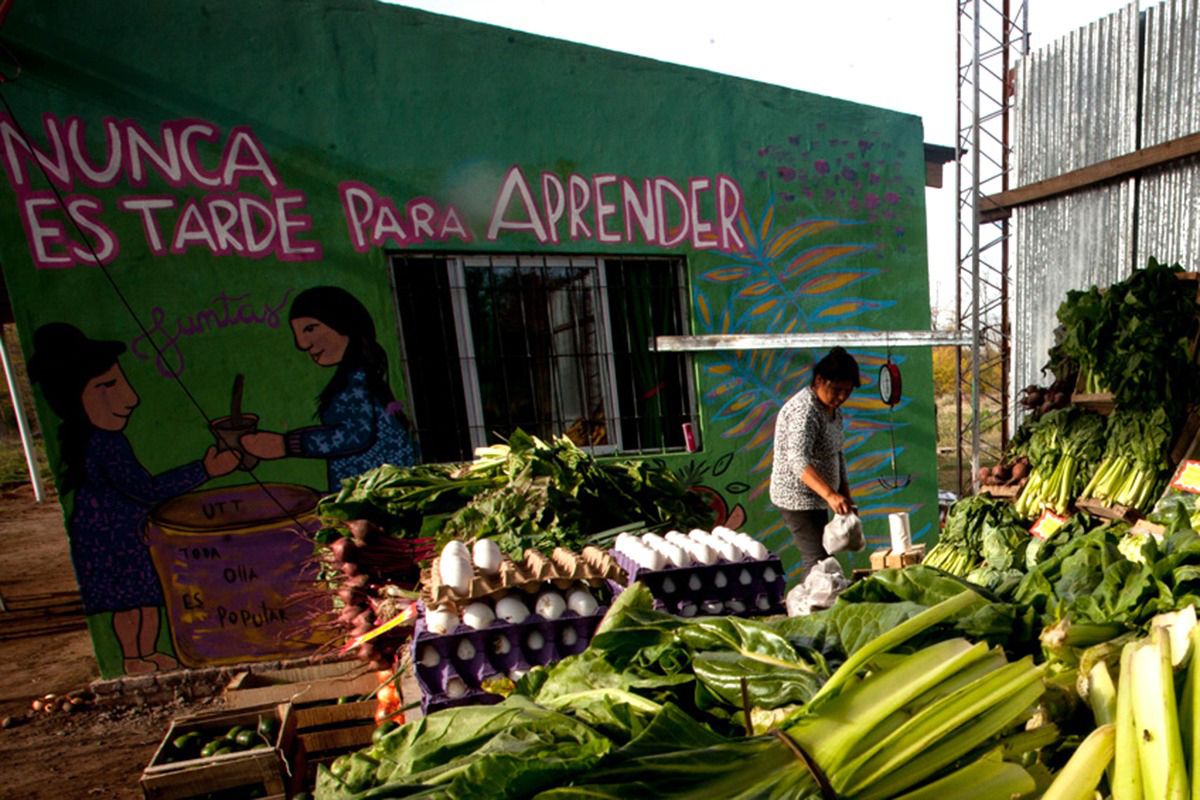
{"type": "Point", "coordinates": [64, 361]}
{"type": "Point", "coordinates": [837, 365]}
{"type": "Point", "coordinates": [336, 308]}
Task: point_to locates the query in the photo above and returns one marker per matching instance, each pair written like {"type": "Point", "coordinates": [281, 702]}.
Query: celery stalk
{"type": "Point", "coordinates": [1160, 750]}
{"type": "Point", "coordinates": [1190, 710]}
{"type": "Point", "coordinates": [1081, 775]}
{"type": "Point", "coordinates": [1127, 772]}
{"type": "Point", "coordinates": [926, 729]}
{"type": "Point", "coordinates": [985, 779]}
{"type": "Point", "coordinates": [1102, 697]}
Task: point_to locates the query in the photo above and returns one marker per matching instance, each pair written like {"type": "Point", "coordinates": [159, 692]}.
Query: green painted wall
{"type": "Point", "coordinates": [315, 97]}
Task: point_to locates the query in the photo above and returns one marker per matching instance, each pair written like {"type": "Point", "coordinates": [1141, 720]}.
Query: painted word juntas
{"type": "Point", "coordinates": [231, 200]}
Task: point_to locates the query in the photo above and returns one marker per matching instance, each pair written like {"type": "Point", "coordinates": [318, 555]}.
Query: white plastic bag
{"type": "Point", "coordinates": [843, 532]}
{"type": "Point", "coordinates": [824, 582]}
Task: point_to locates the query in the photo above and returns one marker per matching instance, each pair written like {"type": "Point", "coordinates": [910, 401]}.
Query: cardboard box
{"type": "Point", "coordinates": [879, 560]}
{"type": "Point", "coordinates": [303, 685]}
{"type": "Point", "coordinates": [263, 769]}
{"type": "Point", "coordinates": [899, 560]}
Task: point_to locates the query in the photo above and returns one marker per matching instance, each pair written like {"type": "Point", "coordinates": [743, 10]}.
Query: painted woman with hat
{"type": "Point", "coordinates": [82, 381]}
{"type": "Point", "coordinates": [362, 425]}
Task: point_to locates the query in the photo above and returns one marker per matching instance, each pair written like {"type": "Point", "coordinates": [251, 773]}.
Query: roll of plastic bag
{"type": "Point", "coordinates": [901, 535]}
{"type": "Point", "coordinates": [843, 532]}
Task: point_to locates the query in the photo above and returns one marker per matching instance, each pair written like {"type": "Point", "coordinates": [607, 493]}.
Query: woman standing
{"type": "Point", "coordinates": [808, 478]}
{"type": "Point", "coordinates": [362, 425]}
{"type": "Point", "coordinates": [83, 382]}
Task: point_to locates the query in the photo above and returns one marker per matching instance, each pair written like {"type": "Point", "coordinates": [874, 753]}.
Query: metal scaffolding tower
{"type": "Point", "coordinates": [991, 37]}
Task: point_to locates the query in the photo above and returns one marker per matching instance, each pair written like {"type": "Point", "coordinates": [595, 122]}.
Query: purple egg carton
{"type": "Point", "coordinates": [743, 588]}
{"type": "Point", "coordinates": [475, 655]}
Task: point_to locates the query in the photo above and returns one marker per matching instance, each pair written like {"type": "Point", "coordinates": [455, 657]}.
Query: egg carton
{"type": "Point", "coordinates": [561, 568]}
{"type": "Point", "coordinates": [750, 587]}
{"type": "Point", "coordinates": [500, 648]}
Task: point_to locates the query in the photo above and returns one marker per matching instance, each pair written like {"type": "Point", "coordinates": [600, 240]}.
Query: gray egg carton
{"type": "Point", "coordinates": [494, 650]}
{"type": "Point", "coordinates": [707, 590]}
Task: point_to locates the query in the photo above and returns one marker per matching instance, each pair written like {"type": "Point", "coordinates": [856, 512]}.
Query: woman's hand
{"type": "Point", "coordinates": [840, 503]}
{"type": "Point", "coordinates": [218, 463]}
{"type": "Point", "coordinates": [265, 445]}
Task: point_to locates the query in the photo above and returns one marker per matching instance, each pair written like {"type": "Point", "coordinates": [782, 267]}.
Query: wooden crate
{"type": "Point", "coordinates": [886, 559]}
{"type": "Point", "coordinates": [262, 770]}
{"type": "Point", "coordinates": [1002, 491]}
{"type": "Point", "coordinates": [1098, 509]}
{"type": "Point", "coordinates": [320, 683]}
{"type": "Point", "coordinates": [324, 732]}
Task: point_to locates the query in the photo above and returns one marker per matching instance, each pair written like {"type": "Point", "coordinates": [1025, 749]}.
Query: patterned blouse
{"type": "Point", "coordinates": [356, 434]}
{"type": "Point", "coordinates": [805, 435]}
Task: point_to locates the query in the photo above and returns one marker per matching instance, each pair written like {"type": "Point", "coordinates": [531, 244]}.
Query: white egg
{"type": "Point", "coordinates": [675, 537]}
{"type": "Point", "coordinates": [456, 688]}
{"type": "Point", "coordinates": [722, 532]}
{"type": "Point", "coordinates": [511, 609]}
{"type": "Point", "coordinates": [501, 646]}
{"type": "Point", "coordinates": [569, 637]}
{"type": "Point", "coordinates": [653, 540]}
{"type": "Point", "coordinates": [441, 620]}
{"type": "Point", "coordinates": [486, 556]}
{"type": "Point", "coordinates": [429, 656]}
{"type": "Point", "coordinates": [455, 570]}
{"type": "Point", "coordinates": [735, 606]}
{"type": "Point", "coordinates": [699, 534]}
{"type": "Point", "coordinates": [550, 605]}
{"type": "Point", "coordinates": [762, 602]}
{"type": "Point", "coordinates": [769, 575]}
{"type": "Point", "coordinates": [465, 650]}
{"type": "Point", "coordinates": [702, 554]}
{"type": "Point", "coordinates": [727, 550]}
{"type": "Point", "coordinates": [687, 610]}
{"type": "Point", "coordinates": [649, 559]}
{"type": "Point", "coordinates": [582, 602]}
{"type": "Point", "coordinates": [535, 641]}
{"type": "Point", "coordinates": [674, 555]}
{"type": "Point", "coordinates": [478, 615]}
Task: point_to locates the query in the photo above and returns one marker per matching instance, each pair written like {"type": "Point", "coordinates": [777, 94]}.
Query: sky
{"type": "Point", "coordinates": [895, 54]}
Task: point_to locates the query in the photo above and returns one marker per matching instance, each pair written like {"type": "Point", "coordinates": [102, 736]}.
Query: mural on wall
{"type": "Point", "coordinates": [253, 227]}
{"type": "Point", "coordinates": [797, 275]}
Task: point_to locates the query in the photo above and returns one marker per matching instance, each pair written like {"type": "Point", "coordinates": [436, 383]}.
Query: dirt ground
{"type": "Point", "coordinates": [98, 750]}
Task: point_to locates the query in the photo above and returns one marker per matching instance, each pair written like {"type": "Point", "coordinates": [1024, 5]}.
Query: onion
{"type": "Point", "coordinates": [569, 637]}
{"type": "Point", "coordinates": [441, 620]}
{"type": "Point", "coordinates": [535, 641]}
{"type": "Point", "coordinates": [550, 606]}
{"type": "Point", "coordinates": [456, 688]}
{"type": "Point", "coordinates": [582, 603]}
{"type": "Point", "coordinates": [429, 656]}
{"type": "Point", "coordinates": [478, 615]}
{"type": "Point", "coordinates": [511, 609]}
{"type": "Point", "coordinates": [465, 651]}
{"type": "Point", "coordinates": [486, 556]}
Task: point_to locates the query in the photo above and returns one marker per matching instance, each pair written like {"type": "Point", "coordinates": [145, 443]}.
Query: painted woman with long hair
{"type": "Point", "coordinates": [82, 381]}
{"type": "Point", "coordinates": [362, 425]}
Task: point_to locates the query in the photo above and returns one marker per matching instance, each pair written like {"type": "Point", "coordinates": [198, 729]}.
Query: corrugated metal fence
{"type": "Point", "coordinates": [1077, 103]}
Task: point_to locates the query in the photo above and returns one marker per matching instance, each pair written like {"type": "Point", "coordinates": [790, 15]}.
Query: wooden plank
{"type": "Point", "coordinates": [996, 206]}
{"type": "Point", "coordinates": [1098, 509]}
{"type": "Point", "coordinates": [303, 685]}
{"type": "Point", "coordinates": [334, 714]}
{"type": "Point", "coordinates": [338, 739]}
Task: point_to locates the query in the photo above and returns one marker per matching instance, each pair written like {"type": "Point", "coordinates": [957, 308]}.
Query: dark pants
{"type": "Point", "coordinates": [807, 528]}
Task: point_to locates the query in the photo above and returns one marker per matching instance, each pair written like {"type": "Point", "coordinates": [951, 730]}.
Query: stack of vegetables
{"type": "Point", "coordinates": [983, 540]}
{"type": "Point", "coordinates": [1064, 447]}
{"type": "Point", "coordinates": [1134, 339]}
{"type": "Point", "coordinates": [527, 493]}
{"type": "Point", "coordinates": [728, 708]}
{"type": "Point", "coordinates": [1135, 459]}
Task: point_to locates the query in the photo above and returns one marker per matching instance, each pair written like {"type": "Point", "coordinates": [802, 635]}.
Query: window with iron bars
{"type": "Point", "coordinates": [553, 345]}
